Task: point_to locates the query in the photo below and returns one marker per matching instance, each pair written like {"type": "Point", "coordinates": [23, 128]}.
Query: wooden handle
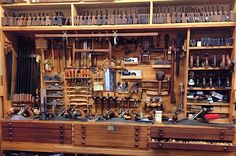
{"type": "Point", "coordinates": [52, 54]}
{"type": "Point", "coordinates": [42, 61]}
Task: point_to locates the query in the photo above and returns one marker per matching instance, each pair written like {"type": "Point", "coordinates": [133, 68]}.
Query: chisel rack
{"type": "Point", "coordinates": [78, 87]}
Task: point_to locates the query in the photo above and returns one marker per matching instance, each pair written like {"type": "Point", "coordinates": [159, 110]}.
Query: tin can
{"type": "Point", "coordinates": [158, 117]}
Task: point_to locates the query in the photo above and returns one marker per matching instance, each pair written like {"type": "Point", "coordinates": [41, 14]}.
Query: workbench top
{"type": "Point", "coordinates": [183, 123]}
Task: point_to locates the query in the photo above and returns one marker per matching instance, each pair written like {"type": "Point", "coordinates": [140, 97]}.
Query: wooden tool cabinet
{"type": "Point", "coordinates": [127, 139]}
{"type": "Point", "coordinates": [188, 30]}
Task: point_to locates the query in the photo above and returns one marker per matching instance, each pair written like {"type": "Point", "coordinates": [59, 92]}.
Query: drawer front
{"type": "Point", "coordinates": [37, 132]}
{"type": "Point", "coordinates": [111, 135]}
{"type": "Point", "coordinates": [200, 147]}
{"type": "Point", "coordinates": [221, 134]}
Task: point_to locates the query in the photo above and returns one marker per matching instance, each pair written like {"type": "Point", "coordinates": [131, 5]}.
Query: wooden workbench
{"type": "Point", "coordinates": [111, 138]}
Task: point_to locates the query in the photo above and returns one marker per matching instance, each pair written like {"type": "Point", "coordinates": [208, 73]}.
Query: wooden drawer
{"type": "Point", "coordinates": [200, 147]}
{"type": "Point", "coordinates": [218, 134]}
{"type": "Point", "coordinates": [111, 135]}
{"type": "Point", "coordinates": [37, 132]}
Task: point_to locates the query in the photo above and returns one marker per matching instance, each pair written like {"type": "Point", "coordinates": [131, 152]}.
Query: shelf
{"type": "Point", "coordinates": [77, 87]}
{"type": "Point", "coordinates": [79, 104]}
{"type": "Point", "coordinates": [161, 66]}
{"type": "Point", "coordinates": [78, 100]}
{"type": "Point", "coordinates": [198, 88]}
{"type": "Point", "coordinates": [51, 96]}
{"type": "Point", "coordinates": [97, 78]}
{"type": "Point", "coordinates": [53, 81]}
{"type": "Point", "coordinates": [91, 50]}
{"type": "Point", "coordinates": [52, 89]}
{"type": "Point", "coordinates": [130, 63]}
{"type": "Point", "coordinates": [215, 47]}
{"type": "Point", "coordinates": [220, 120]}
{"type": "Point", "coordinates": [209, 68]}
{"type": "Point", "coordinates": [210, 112]}
{"type": "Point", "coordinates": [78, 95]}
{"type": "Point", "coordinates": [77, 77]}
{"type": "Point", "coordinates": [153, 81]}
{"type": "Point", "coordinates": [131, 77]}
{"type": "Point", "coordinates": [36, 5]}
{"type": "Point", "coordinates": [209, 104]}
{"type": "Point", "coordinates": [97, 2]}
{"type": "Point", "coordinates": [120, 27]}
{"type": "Point", "coordinates": [49, 104]}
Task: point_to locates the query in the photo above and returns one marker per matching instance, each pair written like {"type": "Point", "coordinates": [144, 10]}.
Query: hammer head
{"type": "Point", "coordinates": [160, 75]}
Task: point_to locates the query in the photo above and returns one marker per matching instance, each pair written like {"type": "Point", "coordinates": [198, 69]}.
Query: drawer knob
{"type": "Point", "coordinates": [161, 129]}
{"type": "Point", "coordinates": [83, 131]}
{"type": "Point", "coordinates": [221, 137]}
{"type": "Point", "coordinates": [10, 124]}
{"type": "Point", "coordinates": [136, 139]}
{"type": "Point", "coordinates": [161, 135]}
{"type": "Point", "coordinates": [160, 145]}
{"type": "Point", "coordinates": [10, 139]}
{"type": "Point", "coordinates": [136, 128]}
{"type": "Point", "coordinates": [61, 126]}
{"type": "Point", "coordinates": [225, 148]}
{"type": "Point", "coordinates": [83, 126]}
{"type": "Point", "coordinates": [136, 144]}
{"type": "Point", "coordinates": [136, 133]}
{"type": "Point", "coordinates": [221, 131]}
{"type": "Point", "coordinates": [61, 141]}
{"type": "Point", "coordinates": [83, 136]}
{"type": "Point", "coordinates": [83, 142]}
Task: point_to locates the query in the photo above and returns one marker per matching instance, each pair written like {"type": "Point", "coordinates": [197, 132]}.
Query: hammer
{"type": "Point", "coordinates": [160, 75]}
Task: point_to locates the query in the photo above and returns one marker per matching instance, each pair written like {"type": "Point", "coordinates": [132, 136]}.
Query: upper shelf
{"type": "Point", "coordinates": [26, 6]}
{"type": "Point", "coordinates": [208, 89]}
{"type": "Point", "coordinates": [84, 2]}
{"type": "Point", "coordinates": [121, 27]}
{"type": "Point", "coordinates": [75, 3]}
